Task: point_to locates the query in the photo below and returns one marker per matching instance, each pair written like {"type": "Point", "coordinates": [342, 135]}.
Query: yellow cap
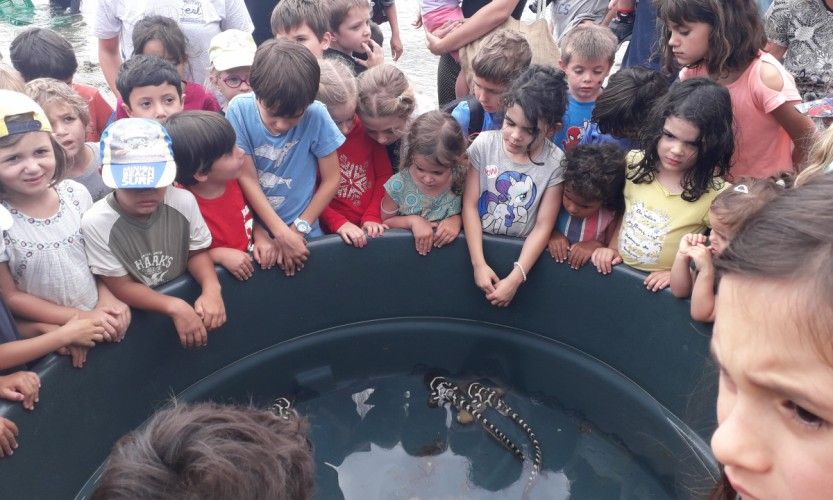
{"type": "Point", "coordinates": [14, 103]}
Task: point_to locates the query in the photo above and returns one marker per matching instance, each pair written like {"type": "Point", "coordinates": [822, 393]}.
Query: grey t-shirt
{"type": "Point", "coordinates": [154, 251]}
{"type": "Point", "coordinates": [567, 14]}
{"type": "Point", "coordinates": [511, 192]}
{"type": "Point", "coordinates": [91, 178]}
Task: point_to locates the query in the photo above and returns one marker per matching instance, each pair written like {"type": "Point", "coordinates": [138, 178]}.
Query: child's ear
{"type": "Point", "coordinates": [562, 65]}
{"type": "Point", "coordinates": [182, 101]}
{"type": "Point", "coordinates": [201, 176]}
{"type": "Point", "coordinates": [126, 108]}
{"type": "Point", "coordinates": [326, 40]}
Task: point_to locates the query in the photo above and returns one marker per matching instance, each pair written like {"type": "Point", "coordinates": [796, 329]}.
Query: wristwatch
{"type": "Point", "coordinates": [302, 226]}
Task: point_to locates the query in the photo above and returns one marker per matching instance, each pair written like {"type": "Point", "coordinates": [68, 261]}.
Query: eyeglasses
{"type": "Point", "coordinates": [235, 81]}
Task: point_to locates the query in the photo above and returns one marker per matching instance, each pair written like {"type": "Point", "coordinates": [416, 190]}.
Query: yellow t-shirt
{"type": "Point", "coordinates": [655, 221]}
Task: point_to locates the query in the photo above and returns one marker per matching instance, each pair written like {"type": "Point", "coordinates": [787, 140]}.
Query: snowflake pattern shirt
{"type": "Point", "coordinates": [364, 167]}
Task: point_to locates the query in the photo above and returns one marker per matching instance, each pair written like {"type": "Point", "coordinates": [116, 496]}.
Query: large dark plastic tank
{"type": "Point", "coordinates": [614, 380]}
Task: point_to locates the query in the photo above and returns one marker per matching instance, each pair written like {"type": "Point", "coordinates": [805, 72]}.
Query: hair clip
{"type": "Point", "coordinates": [829, 168]}
{"type": "Point", "coordinates": [781, 182]}
{"type": "Point", "coordinates": [741, 188]}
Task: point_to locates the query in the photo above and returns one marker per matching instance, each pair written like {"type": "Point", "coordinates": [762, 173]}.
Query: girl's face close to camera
{"type": "Point", "coordinates": [233, 82]}
{"type": "Point", "coordinates": [689, 42]}
{"type": "Point", "coordinates": [677, 146]}
{"type": "Point", "coordinates": [67, 128]}
{"type": "Point", "coordinates": [775, 404]}
{"type": "Point", "coordinates": [27, 168]}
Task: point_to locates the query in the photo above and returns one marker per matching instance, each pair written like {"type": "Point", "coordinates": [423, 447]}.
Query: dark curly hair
{"type": "Point", "coordinates": [597, 172]}
{"type": "Point", "coordinates": [737, 31]}
{"type": "Point", "coordinates": [707, 106]}
{"type": "Point", "coordinates": [626, 101]}
{"type": "Point", "coordinates": [541, 92]}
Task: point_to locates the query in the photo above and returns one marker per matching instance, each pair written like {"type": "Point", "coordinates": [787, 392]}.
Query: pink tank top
{"type": "Point", "coordinates": [762, 146]}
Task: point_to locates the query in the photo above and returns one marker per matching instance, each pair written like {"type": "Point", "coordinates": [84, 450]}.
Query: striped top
{"type": "Point", "coordinates": [588, 229]}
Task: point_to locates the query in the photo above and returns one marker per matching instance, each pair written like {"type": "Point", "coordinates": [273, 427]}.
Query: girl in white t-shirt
{"type": "Point", "coordinates": [44, 277]}
{"type": "Point", "coordinates": [514, 185]}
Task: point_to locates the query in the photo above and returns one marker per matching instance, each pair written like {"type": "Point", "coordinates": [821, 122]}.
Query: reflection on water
{"type": "Point", "coordinates": [391, 444]}
{"type": "Point", "coordinates": [419, 64]}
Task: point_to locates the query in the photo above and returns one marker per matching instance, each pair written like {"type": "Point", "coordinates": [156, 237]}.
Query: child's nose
{"type": "Point", "coordinates": [738, 442]}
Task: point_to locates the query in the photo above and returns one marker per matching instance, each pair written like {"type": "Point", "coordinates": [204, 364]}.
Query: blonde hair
{"type": "Point", "coordinates": [46, 91]}
{"type": "Point", "coordinates": [10, 79]}
{"type": "Point", "coordinates": [591, 42]}
{"type": "Point", "coordinates": [438, 136]}
{"type": "Point", "coordinates": [384, 91]}
{"type": "Point", "coordinates": [338, 84]}
{"type": "Point", "coordinates": [820, 158]}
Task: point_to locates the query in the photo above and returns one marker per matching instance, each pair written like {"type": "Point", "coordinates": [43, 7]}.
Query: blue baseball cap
{"type": "Point", "coordinates": [136, 154]}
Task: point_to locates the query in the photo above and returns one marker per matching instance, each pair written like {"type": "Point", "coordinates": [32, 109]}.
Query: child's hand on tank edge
{"type": "Point", "coordinates": [292, 247]}
{"type": "Point", "coordinates": [447, 230]}
{"type": "Point", "coordinates": [352, 234]}
{"type": "Point", "coordinates": [8, 437]}
{"type": "Point", "coordinates": [658, 280]}
{"type": "Point", "coordinates": [83, 332]}
{"type": "Point", "coordinates": [189, 326]}
{"type": "Point", "coordinates": [605, 258]}
{"type": "Point", "coordinates": [210, 307]}
{"type": "Point", "coordinates": [78, 355]}
{"type": "Point", "coordinates": [485, 278]}
{"type": "Point", "coordinates": [559, 247]}
{"type": "Point", "coordinates": [581, 252]}
{"type": "Point", "coordinates": [21, 386]}
{"type": "Point", "coordinates": [504, 292]}
{"type": "Point", "coordinates": [374, 229]}
{"type": "Point", "coordinates": [265, 252]}
{"type": "Point", "coordinates": [237, 262]}
{"type": "Point", "coordinates": [108, 322]}
{"type": "Point", "coordinates": [423, 234]}
{"type": "Point", "coordinates": [119, 313]}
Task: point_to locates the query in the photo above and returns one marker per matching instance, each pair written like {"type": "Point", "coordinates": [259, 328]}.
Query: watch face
{"type": "Point", "coordinates": [303, 226]}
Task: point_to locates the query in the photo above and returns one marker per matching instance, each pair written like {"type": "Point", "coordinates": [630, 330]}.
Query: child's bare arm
{"type": "Point", "coordinates": [79, 331]}
{"type": "Point", "coordinates": [235, 261]}
{"type": "Point", "coordinates": [484, 276]}
{"type": "Point", "coordinates": [292, 246]}
{"type": "Point", "coordinates": [422, 229]}
{"type": "Point", "coordinates": [606, 257]}
{"type": "Point", "coordinates": [30, 307]}
{"type": "Point", "coordinates": [800, 128]}
{"type": "Point", "coordinates": [702, 294]}
{"type": "Point", "coordinates": [108, 303]}
{"type": "Point", "coordinates": [209, 305]}
{"type": "Point", "coordinates": [330, 175]}
{"type": "Point", "coordinates": [681, 276]}
{"type": "Point", "coordinates": [189, 326]}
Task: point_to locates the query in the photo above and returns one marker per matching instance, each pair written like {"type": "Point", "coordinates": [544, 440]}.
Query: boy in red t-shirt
{"type": "Point", "coordinates": [209, 164]}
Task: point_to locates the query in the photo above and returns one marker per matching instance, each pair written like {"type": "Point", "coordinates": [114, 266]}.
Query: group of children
{"type": "Point", "coordinates": [303, 144]}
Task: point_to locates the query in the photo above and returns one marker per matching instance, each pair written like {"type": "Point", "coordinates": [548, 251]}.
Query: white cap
{"type": "Point", "coordinates": [231, 49]}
